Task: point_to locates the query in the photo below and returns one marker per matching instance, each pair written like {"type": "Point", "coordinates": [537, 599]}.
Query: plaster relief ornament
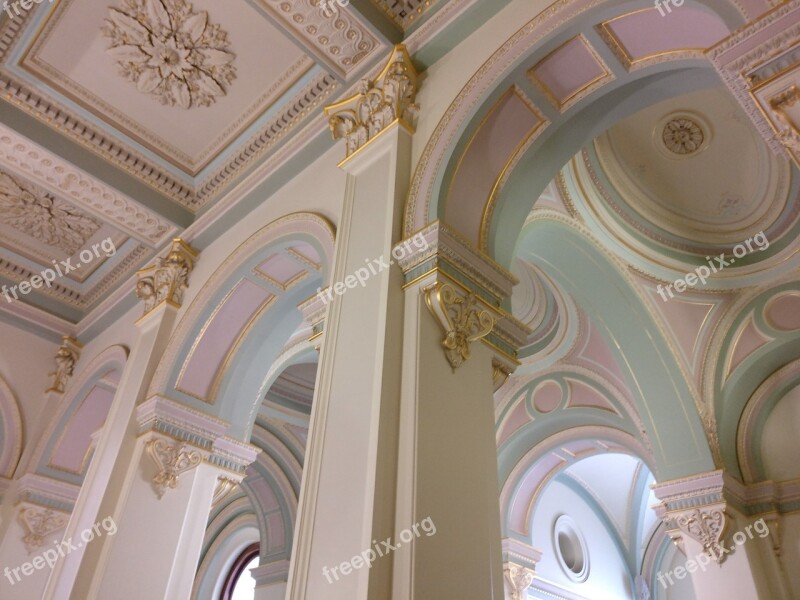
{"type": "Point", "coordinates": [682, 136]}
{"type": "Point", "coordinates": [169, 50]}
{"type": "Point", "coordinates": [39, 523]}
{"type": "Point", "coordinates": [172, 460]}
{"type": "Point", "coordinates": [43, 217]}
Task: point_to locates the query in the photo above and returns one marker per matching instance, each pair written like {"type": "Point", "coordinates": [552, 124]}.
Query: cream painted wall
{"type": "Point", "coordinates": [25, 361]}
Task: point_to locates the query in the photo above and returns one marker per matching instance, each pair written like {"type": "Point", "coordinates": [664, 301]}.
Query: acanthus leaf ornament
{"type": "Point", "coordinates": [461, 318]}
{"type": "Point", "coordinates": [167, 280]}
{"type": "Point", "coordinates": [38, 524]}
{"type": "Point", "coordinates": [45, 218]}
{"type": "Point", "coordinates": [172, 460]}
{"type": "Point", "coordinates": [378, 104]}
{"type": "Point", "coordinates": [169, 50]}
{"type": "Point", "coordinates": [707, 527]}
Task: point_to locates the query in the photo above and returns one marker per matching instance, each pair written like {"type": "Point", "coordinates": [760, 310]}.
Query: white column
{"type": "Point", "coordinates": [162, 505]}
{"type": "Point", "coordinates": [154, 329]}
{"type": "Point", "coordinates": [400, 494]}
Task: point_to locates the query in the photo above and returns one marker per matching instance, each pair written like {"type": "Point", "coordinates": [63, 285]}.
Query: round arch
{"type": "Point", "coordinates": [238, 324]}
{"type": "Point", "coordinates": [512, 188]}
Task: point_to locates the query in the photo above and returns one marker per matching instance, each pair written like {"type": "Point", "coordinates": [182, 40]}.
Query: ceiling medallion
{"type": "Point", "coordinates": [683, 136]}
{"type": "Point", "coordinates": [169, 50]}
{"type": "Point", "coordinates": [44, 217]}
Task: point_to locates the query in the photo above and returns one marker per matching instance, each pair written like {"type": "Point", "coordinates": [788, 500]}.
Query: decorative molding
{"type": "Point", "coordinates": [68, 354]}
{"type": "Point", "coordinates": [130, 159]}
{"type": "Point", "coordinates": [167, 280]}
{"type": "Point", "coordinates": [342, 41]}
{"type": "Point", "coordinates": [737, 60]}
{"type": "Point", "coordinates": [378, 104]}
{"type": "Point", "coordinates": [46, 492]}
{"type": "Point", "coordinates": [461, 318]}
{"type": "Point", "coordinates": [404, 13]}
{"type": "Point", "coordinates": [788, 133]}
{"type": "Point", "coordinates": [165, 416]}
{"type": "Point", "coordinates": [171, 460]}
{"type": "Point", "coordinates": [39, 523]}
{"type": "Point", "coordinates": [60, 177]}
{"type": "Point", "coordinates": [44, 217]}
{"type": "Point", "coordinates": [517, 580]}
{"type": "Point", "coordinates": [170, 51]}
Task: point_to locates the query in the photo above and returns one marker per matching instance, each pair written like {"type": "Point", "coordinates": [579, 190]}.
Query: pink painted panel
{"type": "Point", "coordinates": [547, 397]}
{"type": "Point", "coordinates": [262, 490]}
{"type": "Point", "coordinates": [308, 251]}
{"type": "Point", "coordinates": [568, 69]}
{"type": "Point", "coordinates": [584, 396]}
{"type": "Point", "coordinates": [281, 268]}
{"type": "Point", "coordinates": [219, 337]}
{"type": "Point", "coordinates": [783, 312]}
{"type": "Point", "coordinates": [646, 32]}
{"type": "Point", "coordinates": [494, 144]}
{"type": "Point", "coordinates": [277, 533]}
{"type": "Point", "coordinates": [750, 340]}
{"type": "Point", "coordinates": [90, 416]}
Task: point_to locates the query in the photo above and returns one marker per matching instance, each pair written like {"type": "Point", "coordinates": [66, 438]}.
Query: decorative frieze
{"type": "Point", "coordinates": [167, 280]}
{"type": "Point", "coordinates": [66, 357]}
{"type": "Point", "coordinates": [380, 103]}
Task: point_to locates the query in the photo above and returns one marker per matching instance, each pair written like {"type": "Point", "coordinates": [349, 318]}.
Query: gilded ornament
{"type": "Point", "coordinates": [378, 104]}
{"type": "Point", "coordinates": [167, 280]}
{"type": "Point", "coordinates": [461, 318]}
{"type": "Point", "coordinates": [172, 461]}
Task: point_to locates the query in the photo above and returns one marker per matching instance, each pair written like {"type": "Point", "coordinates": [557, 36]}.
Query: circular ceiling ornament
{"type": "Point", "coordinates": [681, 134]}
{"type": "Point", "coordinates": [171, 51]}
{"type": "Point", "coordinates": [684, 134]}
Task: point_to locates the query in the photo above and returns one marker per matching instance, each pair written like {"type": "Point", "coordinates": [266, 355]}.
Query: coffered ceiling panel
{"type": "Point", "coordinates": [186, 96]}
{"type": "Point", "coordinates": [184, 81]}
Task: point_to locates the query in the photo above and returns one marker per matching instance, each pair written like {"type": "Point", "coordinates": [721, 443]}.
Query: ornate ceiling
{"type": "Point", "coordinates": [129, 120]}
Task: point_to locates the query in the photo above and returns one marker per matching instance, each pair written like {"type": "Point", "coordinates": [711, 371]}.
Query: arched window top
{"type": "Point", "coordinates": [239, 584]}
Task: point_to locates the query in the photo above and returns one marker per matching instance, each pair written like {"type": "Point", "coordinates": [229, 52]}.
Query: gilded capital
{"type": "Point", "coordinates": [378, 104]}
{"type": "Point", "coordinates": [167, 280]}
{"type": "Point", "coordinates": [461, 318]}
{"type": "Point", "coordinates": [171, 460]}
{"type": "Point", "coordinates": [66, 357]}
